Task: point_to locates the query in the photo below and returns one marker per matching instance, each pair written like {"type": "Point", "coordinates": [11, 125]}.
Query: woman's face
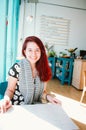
{"type": "Point", "coordinates": [32, 52]}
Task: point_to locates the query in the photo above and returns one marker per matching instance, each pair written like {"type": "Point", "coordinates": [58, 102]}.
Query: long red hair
{"type": "Point", "coordinates": [42, 65]}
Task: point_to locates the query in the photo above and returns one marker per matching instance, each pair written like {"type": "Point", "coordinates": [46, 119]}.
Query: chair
{"type": "Point", "coordinates": [3, 86]}
{"type": "Point", "coordinates": [84, 87]}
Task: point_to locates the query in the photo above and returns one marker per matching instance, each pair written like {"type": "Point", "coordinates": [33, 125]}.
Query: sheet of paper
{"type": "Point", "coordinates": [39, 116]}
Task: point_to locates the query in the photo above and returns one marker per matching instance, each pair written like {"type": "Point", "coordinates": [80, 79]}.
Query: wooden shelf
{"type": "Point", "coordinates": [64, 68]}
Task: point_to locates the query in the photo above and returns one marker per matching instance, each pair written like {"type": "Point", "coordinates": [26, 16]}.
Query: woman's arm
{"type": "Point", "coordinates": [11, 86]}
{"type": "Point", "coordinates": [49, 97]}
{"type": "Point", "coordinates": [5, 103]}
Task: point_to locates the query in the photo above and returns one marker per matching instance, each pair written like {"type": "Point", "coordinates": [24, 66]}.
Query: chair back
{"type": "Point", "coordinates": [3, 86]}
{"type": "Point", "coordinates": [84, 79]}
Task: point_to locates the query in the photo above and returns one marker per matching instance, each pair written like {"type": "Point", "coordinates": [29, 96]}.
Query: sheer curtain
{"type": "Point", "coordinates": [9, 17]}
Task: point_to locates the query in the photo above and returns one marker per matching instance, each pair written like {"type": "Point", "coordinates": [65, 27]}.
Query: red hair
{"type": "Point", "coordinates": [42, 65]}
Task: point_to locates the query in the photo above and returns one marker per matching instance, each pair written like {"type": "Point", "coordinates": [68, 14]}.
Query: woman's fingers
{"type": "Point", "coordinates": [4, 105]}
{"type": "Point", "coordinates": [56, 101]}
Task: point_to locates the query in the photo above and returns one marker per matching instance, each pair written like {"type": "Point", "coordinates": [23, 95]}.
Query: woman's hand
{"type": "Point", "coordinates": [5, 104]}
{"type": "Point", "coordinates": [53, 99]}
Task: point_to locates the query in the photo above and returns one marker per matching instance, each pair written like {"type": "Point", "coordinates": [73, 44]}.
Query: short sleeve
{"type": "Point", "coordinates": [14, 71]}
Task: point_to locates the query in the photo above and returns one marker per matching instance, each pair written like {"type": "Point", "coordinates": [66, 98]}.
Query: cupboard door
{"type": "Point", "coordinates": [83, 69]}
{"type": "Point", "coordinates": [79, 68]}
{"type": "Point", "coordinates": [77, 73]}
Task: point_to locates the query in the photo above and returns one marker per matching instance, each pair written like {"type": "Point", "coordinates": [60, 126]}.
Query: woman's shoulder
{"type": "Point", "coordinates": [15, 67]}
{"type": "Point", "coordinates": [14, 70]}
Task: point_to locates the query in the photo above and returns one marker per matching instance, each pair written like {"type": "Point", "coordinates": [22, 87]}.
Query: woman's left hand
{"type": "Point", "coordinates": [53, 99]}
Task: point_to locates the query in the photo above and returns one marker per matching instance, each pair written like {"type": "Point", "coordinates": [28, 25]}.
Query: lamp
{"type": "Point", "coordinates": [29, 18]}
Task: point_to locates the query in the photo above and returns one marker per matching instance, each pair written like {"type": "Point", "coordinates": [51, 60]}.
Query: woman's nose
{"type": "Point", "coordinates": [34, 53]}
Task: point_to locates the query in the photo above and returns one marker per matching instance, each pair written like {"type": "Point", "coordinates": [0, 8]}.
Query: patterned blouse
{"type": "Point", "coordinates": [18, 97]}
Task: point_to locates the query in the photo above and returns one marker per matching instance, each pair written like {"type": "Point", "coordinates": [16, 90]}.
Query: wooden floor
{"type": "Point", "coordinates": [55, 86]}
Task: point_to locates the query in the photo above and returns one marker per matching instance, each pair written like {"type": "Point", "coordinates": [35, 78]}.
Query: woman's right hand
{"type": "Point", "coordinates": [5, 104]}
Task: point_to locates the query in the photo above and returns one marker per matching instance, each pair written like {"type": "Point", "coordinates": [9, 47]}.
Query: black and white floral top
{"type": "Point", "coordinates": [18, 97]}
{"type": "Point", "coordinates": [29, 94]}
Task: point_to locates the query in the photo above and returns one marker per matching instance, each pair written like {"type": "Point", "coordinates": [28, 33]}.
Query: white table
{"type": "Point", "coordinates": [39, 116]}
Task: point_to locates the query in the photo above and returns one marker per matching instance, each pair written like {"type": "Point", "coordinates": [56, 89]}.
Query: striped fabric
{"type": "Point", "coordinates": [31, 92]}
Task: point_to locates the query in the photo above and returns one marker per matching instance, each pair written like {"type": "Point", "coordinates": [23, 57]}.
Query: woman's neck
{"type": "Point", "coordinates": [33, 66]}
{"type": "Point", "coordinates": [34, 71]}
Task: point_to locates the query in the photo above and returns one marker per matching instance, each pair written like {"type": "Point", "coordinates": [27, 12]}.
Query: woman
{"type": "Point", "coordinates": [28, 78]}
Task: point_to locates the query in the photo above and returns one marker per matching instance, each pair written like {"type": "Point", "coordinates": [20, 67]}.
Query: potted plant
{"type": "Point", "coordinates": [50, 51]}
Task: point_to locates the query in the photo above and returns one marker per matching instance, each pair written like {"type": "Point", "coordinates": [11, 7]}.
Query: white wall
{"type": "Point", "coordinates": [69, 3]}
{"type": "Point", "coordinates": [57, 8]}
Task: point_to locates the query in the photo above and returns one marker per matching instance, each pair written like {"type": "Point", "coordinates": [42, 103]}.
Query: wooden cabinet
{"type": "Point", "coordinates": [79, 67]}
{"type": "Point", "coordinates": [64, 69]}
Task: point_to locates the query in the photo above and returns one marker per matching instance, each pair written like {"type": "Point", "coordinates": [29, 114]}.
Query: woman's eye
{"type": "Point", "coordinates": [37, 50]}
{"type": "Point", "coordinates": [29, 50]}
